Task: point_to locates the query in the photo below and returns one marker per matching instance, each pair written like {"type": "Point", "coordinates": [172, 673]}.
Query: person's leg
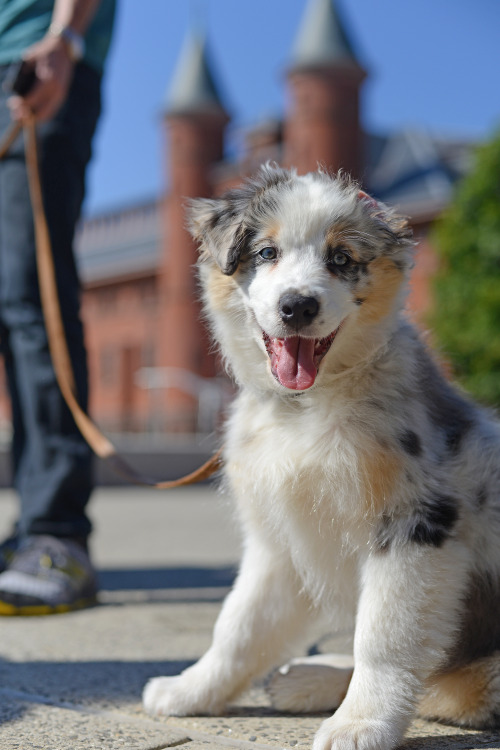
{"type": "Point", "coordinates": [52, 463]}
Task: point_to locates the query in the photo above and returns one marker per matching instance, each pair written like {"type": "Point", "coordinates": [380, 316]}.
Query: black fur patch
{"type": "Point", "coordinates": [350, 271]}
{"type": "Point", "coordinates": [215, 219]}
{"type": "Point", "coordinates": [435, 523]}
{"type": "Point", "coordinates": [450, 413]}
{"type": "Point", "coordinates": [411, 443]}
{"type": "Point", "coordinates": [430, 524]}
{"type": "Point", "coordinates": [454, 433]}
{"type": "Point", "coordinates": [482, 497]}
{"type": "Point", "coordinates": [238, 249]}
{"type": "Point", "coordinates": [479, 631]}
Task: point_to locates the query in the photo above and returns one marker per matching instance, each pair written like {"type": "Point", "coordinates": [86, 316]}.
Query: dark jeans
{"type": "Point", "coordinates": [51, 462]}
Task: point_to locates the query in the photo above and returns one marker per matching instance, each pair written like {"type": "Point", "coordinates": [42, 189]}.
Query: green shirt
{"type": "Point", "coordinates": [24, 22]}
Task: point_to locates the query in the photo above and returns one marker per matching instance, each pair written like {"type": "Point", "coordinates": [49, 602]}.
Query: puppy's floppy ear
{"type": "Point", "coordinates": [217, 227]}
{"type": "Point", "coordinates": [362, 196]}
{"type": "Point", "coordinates": [394, 226]}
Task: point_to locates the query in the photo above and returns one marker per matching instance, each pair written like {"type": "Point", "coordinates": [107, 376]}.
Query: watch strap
{"type": "Point", "coordinates": [75, 43]}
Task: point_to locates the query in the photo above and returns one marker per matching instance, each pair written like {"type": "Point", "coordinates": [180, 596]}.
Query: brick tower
{"type": "Point", "coordinates": [324, 79]}
{"type": "Point", "coordinates": [194, 122]}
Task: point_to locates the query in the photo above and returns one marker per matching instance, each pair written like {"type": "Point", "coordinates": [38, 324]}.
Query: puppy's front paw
{"type": "Point", "coordinates": [161, 696]}
{"type": "Point", "coordinates": [182, 695]}
{"type": "Point", "coordinates": [361, 734]}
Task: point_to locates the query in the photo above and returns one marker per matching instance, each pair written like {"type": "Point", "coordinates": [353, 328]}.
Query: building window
{"type": "Point", "coordinates": [107, 299]}
{"type": "Point", "coordinates": [147, 294]}
{"type": "Point", "coordinates": [107, 366]}
{"type": "Point", "coordinates": [148, 354]}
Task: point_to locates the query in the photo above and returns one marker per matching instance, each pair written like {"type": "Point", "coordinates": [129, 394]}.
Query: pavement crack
{"type": "Point", "coordinates": [185, 734]}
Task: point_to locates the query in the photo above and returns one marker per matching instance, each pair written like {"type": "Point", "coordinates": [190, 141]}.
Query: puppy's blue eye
{"type": "Point", "coordinates": [340, 259]}
{"type": "Point", "coordinates": [268, 253]}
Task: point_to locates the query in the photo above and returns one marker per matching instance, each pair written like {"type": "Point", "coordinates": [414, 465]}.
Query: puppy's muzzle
{"type": "Point", "coordinates": [297, 310]}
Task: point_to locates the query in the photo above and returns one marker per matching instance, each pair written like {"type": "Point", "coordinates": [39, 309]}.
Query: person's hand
{"type": "Point", "coordinates": [54, 69]}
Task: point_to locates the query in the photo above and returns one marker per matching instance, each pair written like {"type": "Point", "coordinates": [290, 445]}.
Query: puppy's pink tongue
{"type": "Point", "coordinates": [294, 363]}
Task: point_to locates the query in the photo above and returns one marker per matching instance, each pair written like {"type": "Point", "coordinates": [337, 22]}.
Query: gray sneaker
{"type": "Point", "coordinates": [47, 576]}
{"type": "Point", "coordinates": [8, 549]}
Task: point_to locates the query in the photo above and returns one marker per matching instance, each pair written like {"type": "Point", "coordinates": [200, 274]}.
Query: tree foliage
{"type": "Point", "coordinates": [466, 316]}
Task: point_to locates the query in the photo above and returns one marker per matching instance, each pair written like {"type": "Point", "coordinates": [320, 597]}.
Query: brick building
{"type": "Point", "coordinates": [149, 358]}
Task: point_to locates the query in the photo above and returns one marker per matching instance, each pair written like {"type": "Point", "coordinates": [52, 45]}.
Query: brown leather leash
{"type": "Point", "coordinates": [61, 360]}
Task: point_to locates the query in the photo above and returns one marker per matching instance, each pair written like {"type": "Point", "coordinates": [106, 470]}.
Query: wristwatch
{"type": "Point", "coordinates": [74, 42]}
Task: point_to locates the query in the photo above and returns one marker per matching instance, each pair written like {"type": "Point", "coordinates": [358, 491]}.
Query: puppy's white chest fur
{"type": "Point", "coordinates": [309, 504]}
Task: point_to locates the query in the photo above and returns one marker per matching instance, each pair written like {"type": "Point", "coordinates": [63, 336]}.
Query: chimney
{"type": "Point", "coordinates": [323, 126]}
{"type": "Point", "coordinates": [195, 120]}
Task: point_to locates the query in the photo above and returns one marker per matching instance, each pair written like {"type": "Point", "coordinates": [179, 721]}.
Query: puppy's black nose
{"type": "Point", "coordinates": [297, 310]}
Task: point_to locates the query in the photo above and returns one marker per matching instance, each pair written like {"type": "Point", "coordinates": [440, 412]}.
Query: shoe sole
{"type": "Point", "coordinates": [35, 610]}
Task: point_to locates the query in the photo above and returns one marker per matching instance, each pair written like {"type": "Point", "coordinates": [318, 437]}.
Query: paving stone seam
{"type": "Point", "coordinates": [194, 734]}
{"type": "Point", "coordinates": [189, 734]}
{"type": "Point", "coordinates": [18, 695]}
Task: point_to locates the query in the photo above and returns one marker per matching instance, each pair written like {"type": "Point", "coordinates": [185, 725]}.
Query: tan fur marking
{"type": "Point", "coordinates": [385, 283]}
{"type": "Point", "coordinates": [379, 471]}
{"type": "Point", "coordinates": [463, 696]}
{"type": "Point", "coordinates": [219, 287]}
{"type": "Point", "coordinates": [338, 235]}
{"type": "Point", "coordinates": [273, 230]}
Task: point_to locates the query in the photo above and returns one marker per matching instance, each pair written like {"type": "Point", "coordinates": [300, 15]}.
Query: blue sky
{"type": "Point", "coordinates": [433, 64]}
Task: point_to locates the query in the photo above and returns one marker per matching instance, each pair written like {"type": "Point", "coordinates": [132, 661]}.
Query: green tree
{"type": "Point", "coordinates": [466, 315]}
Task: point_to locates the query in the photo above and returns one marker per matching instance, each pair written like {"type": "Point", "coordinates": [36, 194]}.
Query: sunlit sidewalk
{"type": "Point", "coordinates": [166, 561]}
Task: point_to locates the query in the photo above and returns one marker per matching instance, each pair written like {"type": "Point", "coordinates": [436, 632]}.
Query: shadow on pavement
{"type": "Point", "coordinates": [489, 738]}
{"type": "Point", "coordinates": [91, 684]}
{"type": "Point", "coordinates": [114, 684]}
{"type": "Point", "coordinates": [166, 578]}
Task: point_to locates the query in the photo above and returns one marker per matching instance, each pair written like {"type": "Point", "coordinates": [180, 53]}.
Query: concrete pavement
{"type": "Point", "coordinates": [166, 561]}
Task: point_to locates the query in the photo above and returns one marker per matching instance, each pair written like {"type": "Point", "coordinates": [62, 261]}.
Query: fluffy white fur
{"type": "Point", "coordinates": [368, 491]}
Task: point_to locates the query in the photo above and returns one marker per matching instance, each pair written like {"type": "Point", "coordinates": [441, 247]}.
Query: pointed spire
{"type": "Point", "coordinates": [193, 88]}
{"type": "Point", "coordinates": [323, 38]}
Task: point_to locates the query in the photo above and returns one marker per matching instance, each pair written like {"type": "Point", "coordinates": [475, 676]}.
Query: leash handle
{"type": "Point", "coordinates": [9, 139]}
{"type": "Point", "coordinates": [58, 347]}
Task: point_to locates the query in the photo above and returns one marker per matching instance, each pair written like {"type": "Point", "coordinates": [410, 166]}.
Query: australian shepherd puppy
{"type": "Point", "coordinates": [368, 488]}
